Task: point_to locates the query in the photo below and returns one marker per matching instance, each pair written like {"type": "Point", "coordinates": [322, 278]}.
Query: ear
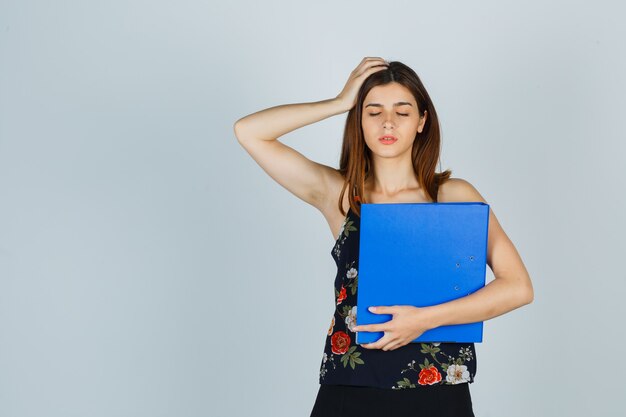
{"type": "Point", "coordinates": [420, 127]}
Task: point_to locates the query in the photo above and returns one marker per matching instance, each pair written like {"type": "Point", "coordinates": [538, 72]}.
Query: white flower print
{"type": "Point", "coordinates": [325, 358]}
{"type": "Point", "coordinates": [466, 353]}
{"type": "Point", "coordinates": [351, 319]}
{"type": "Point", "coordinates": [343, 225]}
{"type": "Point", "coordinates": [457, 374]}
{"type": "Point", "coordinates": [351, 273]}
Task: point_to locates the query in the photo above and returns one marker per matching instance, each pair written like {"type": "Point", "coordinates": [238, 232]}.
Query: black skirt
{"type": "Point", "coordinates": [428, 400]}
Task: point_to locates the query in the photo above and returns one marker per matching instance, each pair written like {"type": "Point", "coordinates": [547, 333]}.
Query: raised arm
{"type": "Point", "coordinates": [258, 133]}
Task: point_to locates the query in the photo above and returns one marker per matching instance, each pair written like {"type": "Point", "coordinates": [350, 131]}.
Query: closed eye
{"type": "Point", "coordinates": [401, 114]}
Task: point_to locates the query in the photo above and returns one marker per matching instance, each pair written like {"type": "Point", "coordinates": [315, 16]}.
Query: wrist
{"type": "Point", "coordinates": [432, 317]}
{"type": "Point", "coordinates": [341, 105]}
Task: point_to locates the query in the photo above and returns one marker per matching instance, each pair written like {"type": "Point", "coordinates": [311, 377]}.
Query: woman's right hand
{"type": "Point", "coordinates": [367, 67]}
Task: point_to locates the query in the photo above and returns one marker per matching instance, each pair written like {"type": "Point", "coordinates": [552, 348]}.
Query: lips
{"type": "Point", "coordinates": [387, 139]}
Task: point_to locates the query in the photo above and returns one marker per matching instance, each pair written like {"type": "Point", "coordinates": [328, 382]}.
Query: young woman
{"type": "Point", "coordinates": [390, 149]}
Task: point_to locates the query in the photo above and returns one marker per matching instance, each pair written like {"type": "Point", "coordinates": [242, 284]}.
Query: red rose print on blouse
{"type": "Point", "coordinates": [340, 342]}
{"type": "Point", "coordinates": [342, 295]}
{"type": "Point", "coordinates": [429, 376]}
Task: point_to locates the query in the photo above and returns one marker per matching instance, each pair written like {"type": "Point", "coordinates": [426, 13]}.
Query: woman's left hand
{"type": "Point", "coordinates": [406, 324]}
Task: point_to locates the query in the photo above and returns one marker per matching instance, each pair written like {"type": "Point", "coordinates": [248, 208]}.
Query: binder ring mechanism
{"type": "Point", "coordinates": [471, 258]}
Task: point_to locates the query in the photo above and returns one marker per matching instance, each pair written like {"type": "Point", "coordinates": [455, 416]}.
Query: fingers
{"type": "Point", "coordinates": [369, 65]}
{"type": "Point", "coordinates": [384, 343]}
{"type": "Point", "coordinates": [393, 345]}
{"type": "Point", "coordinates": [370, 328]}
{"type": "Point", "coordinates": [375, 58]}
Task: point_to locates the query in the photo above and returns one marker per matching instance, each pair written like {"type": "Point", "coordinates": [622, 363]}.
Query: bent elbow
{"type": "Point", "coordinates": [237, 129]}
{"type": "Point", "coordinates": [529, 295]}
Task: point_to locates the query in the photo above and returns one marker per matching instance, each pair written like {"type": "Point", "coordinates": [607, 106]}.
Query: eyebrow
{"type": "Point", "coordinates": [400, 103]}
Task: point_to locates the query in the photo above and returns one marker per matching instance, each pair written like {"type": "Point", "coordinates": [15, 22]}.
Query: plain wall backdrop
{"type": "Point", "coordinates": [149, 267]}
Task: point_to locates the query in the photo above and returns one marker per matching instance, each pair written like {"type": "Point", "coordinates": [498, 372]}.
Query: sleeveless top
{"type": "Point", "coordinates": [413, 365]}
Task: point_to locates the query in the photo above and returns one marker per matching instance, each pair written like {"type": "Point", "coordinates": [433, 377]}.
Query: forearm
{"type": "Point", "coordinates": [271, 123]}
{"type": "Point", "coordinates": [494, 299]}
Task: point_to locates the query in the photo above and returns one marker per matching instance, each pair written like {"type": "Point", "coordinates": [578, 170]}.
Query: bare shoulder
{"type": "Point", "coordinates": [458, 190]}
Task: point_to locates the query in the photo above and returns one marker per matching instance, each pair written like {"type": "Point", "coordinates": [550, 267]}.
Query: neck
{"type": "Point", "coordinates": [391, 178]}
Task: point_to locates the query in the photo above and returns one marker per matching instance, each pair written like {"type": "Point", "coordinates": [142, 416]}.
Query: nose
{"type": "Point", "coordinates": [388, 120]}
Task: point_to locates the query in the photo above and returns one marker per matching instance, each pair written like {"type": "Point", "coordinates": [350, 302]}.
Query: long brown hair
{"type": "Point", "coordinates": [355, 161]}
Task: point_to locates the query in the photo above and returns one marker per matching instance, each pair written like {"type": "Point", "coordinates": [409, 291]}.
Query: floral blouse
{"type": "Point", "coordinates": [410, 366]}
